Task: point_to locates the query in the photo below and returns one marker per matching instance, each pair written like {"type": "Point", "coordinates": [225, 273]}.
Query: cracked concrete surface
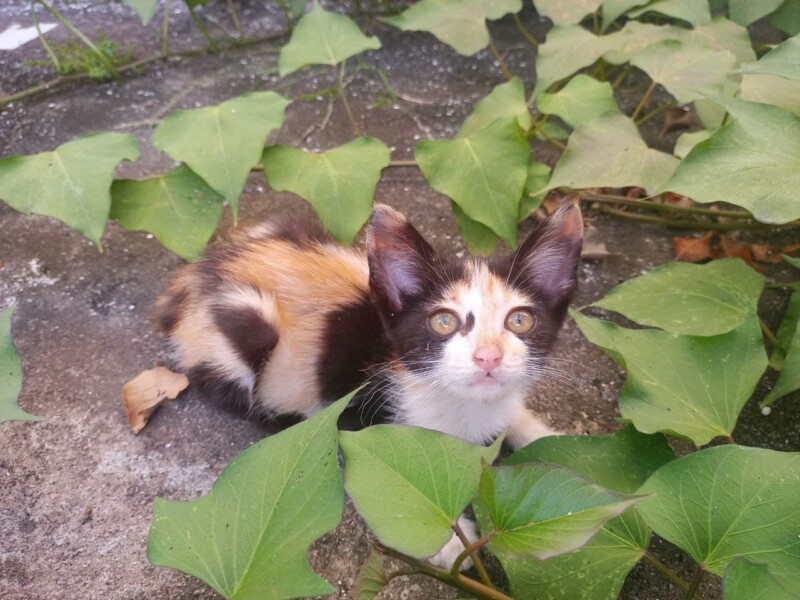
{"type": "Point", "coordinates": [76, 490]}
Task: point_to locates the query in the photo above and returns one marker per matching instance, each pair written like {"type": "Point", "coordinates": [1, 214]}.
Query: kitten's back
{"type": "Point", "coordinates": [260, 319]}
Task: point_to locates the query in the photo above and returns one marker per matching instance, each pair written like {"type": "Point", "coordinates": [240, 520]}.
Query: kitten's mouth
{"type": "Point", "coordinates": [487, 380]}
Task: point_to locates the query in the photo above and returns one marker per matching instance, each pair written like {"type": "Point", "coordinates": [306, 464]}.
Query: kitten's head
{"type": "Point", "coordinates": [479, 329]}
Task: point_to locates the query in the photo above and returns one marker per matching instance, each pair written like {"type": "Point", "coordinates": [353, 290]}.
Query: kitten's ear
{"type": "Point", "coordinates": [399, 258]}
{"type": "Point", "coordinates": [546, 262]}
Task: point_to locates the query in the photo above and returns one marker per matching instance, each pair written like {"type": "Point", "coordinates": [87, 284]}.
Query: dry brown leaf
{"type": "Point", "coordinates": [728, 247]}
{"type": "Point", "coordinates": [690, 249]}
{"type": "Point", "coordinates": [766, 253]}
{"type": "Point", "coordinates": [593, 247]}
{"type": "Point", "coordinates": [144, 393]}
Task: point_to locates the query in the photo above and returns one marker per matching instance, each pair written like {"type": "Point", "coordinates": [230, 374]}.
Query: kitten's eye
{"type": "Point", "coordinates": [444, 322]}
{"type": "Point", "coordinates": [520, 321]}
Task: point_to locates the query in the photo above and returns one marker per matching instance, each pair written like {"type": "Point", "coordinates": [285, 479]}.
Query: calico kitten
{"type": "Point", "coordinates": [285, 320]}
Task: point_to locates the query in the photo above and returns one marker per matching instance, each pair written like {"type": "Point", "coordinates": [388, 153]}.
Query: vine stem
{"type": "Point", "coordinates": [666, 571]}
{"type": "Point", "coordinates": [695, 584]}
{"type": "Point", "coordinates": [643, 101]}
{"type": "Point", "coordinates": [165, 29]}
{"type": "Point", "coordinates": [465, 584]}
{"type": "Point", "coordinates": [471, 550]}
{"type": "Point", "coordinates": [701, 225]}
{"type": "Point", "coordinates": [340, 81]}
{"type": "Point", "coordinates": [235, 18]}
{"type": "Point", "coordinates": [525, 33]}
{"type": "Point", "coordinates": [77, 32]}
{"type": "Point", "coordinates": [212, 43]}
{"type": "Point", "coordinates": [689, 210]}
{"type": "Point", "coordinates": [500, 61]}
{"type": "Point", "coordinates": [403, 163]}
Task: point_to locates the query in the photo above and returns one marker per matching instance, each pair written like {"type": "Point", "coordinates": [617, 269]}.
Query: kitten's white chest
{"type": "Point", "coordinates": [442, 410]}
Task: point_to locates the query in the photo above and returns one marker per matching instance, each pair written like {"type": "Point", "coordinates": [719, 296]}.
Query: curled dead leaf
{"type": "Point", "coordinates": [677, 117]}
{"type": "Point", "coordinates": [593, 247]}
{"type": "Point", "coordinates": [730, 248]}
{"type": "Point", "coordinates": [690, 249]}
{"type": "Point", "coordinates": [145, 392]}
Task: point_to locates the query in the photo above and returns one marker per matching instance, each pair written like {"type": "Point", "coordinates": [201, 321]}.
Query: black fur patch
{"type": "Point", "coordinates": [415, 344]}
{"type": "Point", "coordinates": [353, 340]}
{"type": "Point", "coordinates": [468, 324]}
{"type": "Point", "coordinates": [302, 232]}
{"type": "Point", "coordinates": [169, 309]}
{"type": "Point", "coordinates": [252, 337]}
{"type": "Point", "coordinates": [222, 392]}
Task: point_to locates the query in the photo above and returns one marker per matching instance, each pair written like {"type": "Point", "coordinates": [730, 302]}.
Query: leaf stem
{"type": "Point", "coordinates": [776, 345]}
{"type": "Point", "coordinates": [695, 583]}
{"type": "Point", "coordinates": [340, 81]}
{"type": "Point", "coordinates": [403, 163]}
{"type": "Point", "coordinates": [666, 571]}
{"type": "Point", "coordinates": [621, 77]}
{"type": "Point", "coordinates": [465, 584]}
{"type": "Point", "coordinates": [500, 61]}
{"type": "Point", "coordinates": [235, 18]}
{"type": "Point", "coordinates": [656, 111]}
{"type": "Point", "coordinates": [45, 43]}
{"type": "Point", "coordinates": [525, 33]}
{"type": "Point", "coordinates": [471, 550]}
{"type": "Point", "coordinates": [644, 100]}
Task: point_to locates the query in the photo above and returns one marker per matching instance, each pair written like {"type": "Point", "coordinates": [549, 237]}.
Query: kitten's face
{"type": "Point", "coordinates": [475, 329]}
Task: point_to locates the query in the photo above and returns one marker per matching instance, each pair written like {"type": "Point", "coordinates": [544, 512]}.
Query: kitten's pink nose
{"type": "Point", "coordinates": [488, 359]}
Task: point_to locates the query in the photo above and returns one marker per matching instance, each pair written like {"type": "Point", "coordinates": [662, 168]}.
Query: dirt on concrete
{"type": "Point", "coordinates": [77, 489]}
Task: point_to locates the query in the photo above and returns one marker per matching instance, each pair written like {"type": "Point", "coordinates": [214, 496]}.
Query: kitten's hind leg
{"type": "Point", "coordinates": [527, 428]}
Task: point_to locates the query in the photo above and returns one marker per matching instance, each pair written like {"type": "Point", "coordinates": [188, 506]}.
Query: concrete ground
{"type": "Point", "coordinates": [77, 489]}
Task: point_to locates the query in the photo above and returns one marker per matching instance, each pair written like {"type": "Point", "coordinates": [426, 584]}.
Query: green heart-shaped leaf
{"type": "Point", "coordinates": [539, 511]}
{"type": "Point", "coordinates": [689, 299]}
{"type": "Point", "coordinates": [609, 556]}
{"type": "Point", "coordinates": [609, 152]}
{"type": "Point", "coordinates": [753, 162]}
{"type": "Point", "coordinates": [10, 374]}
{"type": "Point", "coordinates": [787, 17]}
{"type": "Point", "coordinates": [580, 101]}
{"type": "Point", "coordinates": [505, 100]}
{"type": "Point", "coordinates": [461, 24]}
{"type": "Point", "coordinates": [688, 73]}
{"type": "Point", "coordinates": [566, 13]}
{"type": "Point", "coordinates": [783, 61]}
{"type": "Point", "coordinates": [322, 37]}
{"type": "Point", "coordinates": [222, 143]}
{"type": "Point", "coordinates": [144, 8]}
{"type": "Point", "coordinates": [179, 208]}
{"type": "Point", "coordinates": [730, 501]}
{"type": "Point", "coordinates": [70, 183]}
{"type": "Point", "coordinates": [771, 89]}
{"type": "Point", "coordinates": [689, 386]}
{"type": "Point", "coordinates": [484, 173]}
{"type": "Point", "coordinates": [691, 11]}
{"type": "Point", "coordinates": [411, 484]}
{"type": "Point", "coordinates": [248, 537]}
{"type": "Point", "coordinates": [567, 49]}
{"type": "Point", "coordinates": [745, 12]}
{"type": "Point", "coordinates": [746, 580]}
{"type": "Point", "coordinates": [339, 183]}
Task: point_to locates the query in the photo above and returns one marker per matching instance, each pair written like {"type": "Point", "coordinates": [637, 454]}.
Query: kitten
{"type": "Point", "coordinates": [286, 321]}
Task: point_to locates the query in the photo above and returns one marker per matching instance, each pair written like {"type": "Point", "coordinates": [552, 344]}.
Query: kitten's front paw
{"type": "Point", "coordinates": [451, 550]}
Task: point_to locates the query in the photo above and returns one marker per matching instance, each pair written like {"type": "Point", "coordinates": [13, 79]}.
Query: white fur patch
{"type": "Point", "coordinates": [454, 547]}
